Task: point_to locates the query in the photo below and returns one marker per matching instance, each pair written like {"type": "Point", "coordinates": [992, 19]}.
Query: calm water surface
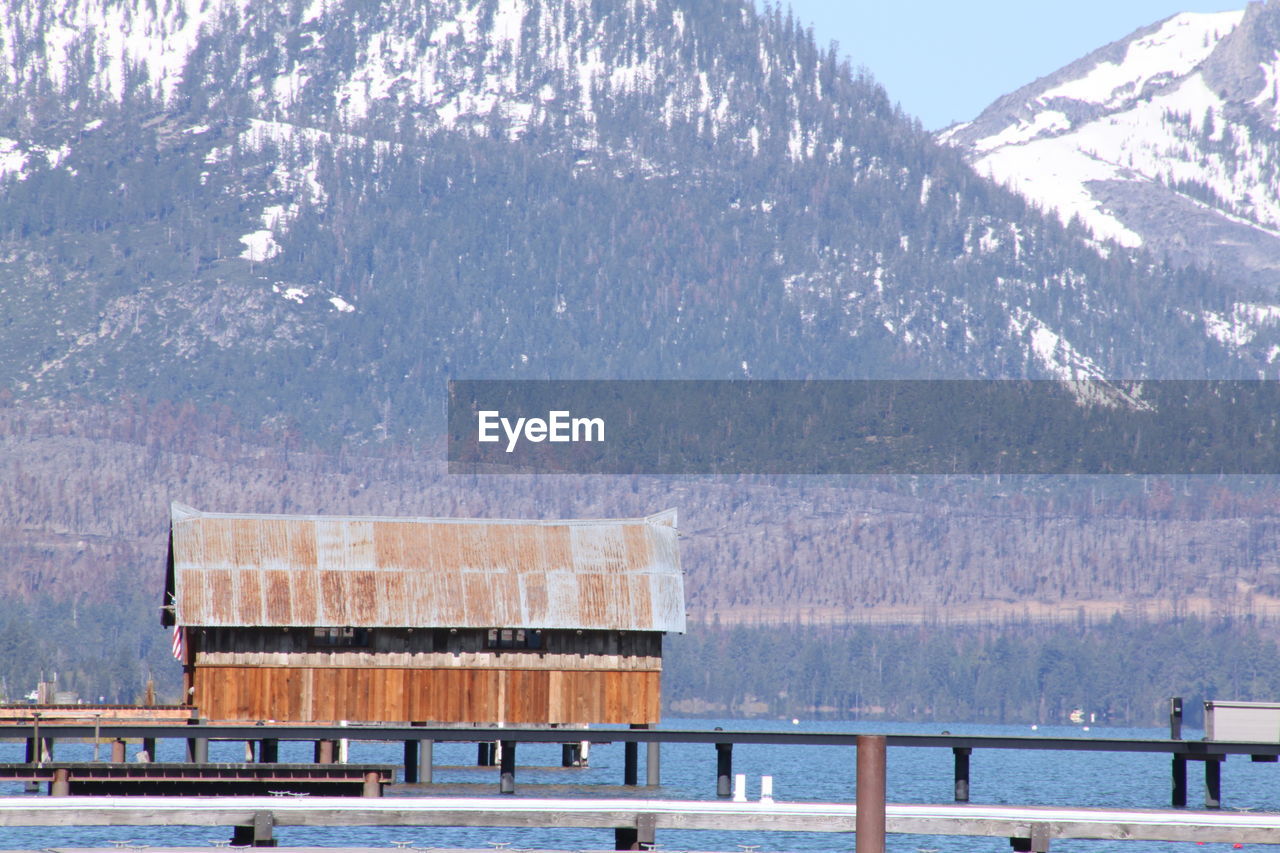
{"type": "Point", "coordinates": [810, 773]}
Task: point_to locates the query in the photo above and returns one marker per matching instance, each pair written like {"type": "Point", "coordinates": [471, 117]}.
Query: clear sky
{"type": "Point", "coordinates": [946, 60]}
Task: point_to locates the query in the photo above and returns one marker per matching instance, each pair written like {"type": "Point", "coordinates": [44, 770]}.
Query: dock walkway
{"type": "Point", "coordinates": [1033, 824]}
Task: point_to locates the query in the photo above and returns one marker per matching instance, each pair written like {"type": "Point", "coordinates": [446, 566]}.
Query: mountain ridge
{"type": "Point", "coordinates": [1169, 139]}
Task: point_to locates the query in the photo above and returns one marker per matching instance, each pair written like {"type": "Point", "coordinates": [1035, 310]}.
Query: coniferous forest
{"type": "Point", "coordinates": [246, 286]}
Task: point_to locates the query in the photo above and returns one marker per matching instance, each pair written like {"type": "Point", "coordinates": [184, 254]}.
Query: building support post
{"type": "Point", "coordinates": [426, 761]}
{"type": "Point", "coordinates": [197, 747]}
{"type": "Point", "coordinates": [148, 749]}
{"type": "Point", "coordinates": [61, 784]}
{"type": "Point", "coordinates": [724, 769]}
{"type": "Point", "coordinates": [1213, 782]}
{"type": "Point", "coordinates": [486, 754]}
{"type": "Point", "coordinates": [630, 760]}
{"type": "Point", "coordinates": [198, 750]}
{"type": "Point", "coordinates": [410, 762]}
{"type": "Point", "coordinates": [652, 759]}
{"type": "Point", "coordinates": [269, 751]}
{"type": "Point", "coordinates": [325, 751]}
{"type": "Point", "coordinates": [507, 773]}
{"type": "Point", "coordinates": [372, 784]}
{"type": "Point", "coordinates": [117, 751]}
{"type": "Point", "coordinates": [1179, 798]}
{"type": "Point", "coordinates": [962, 754]}
{"type": "Point", "coordinates": [869, 825]}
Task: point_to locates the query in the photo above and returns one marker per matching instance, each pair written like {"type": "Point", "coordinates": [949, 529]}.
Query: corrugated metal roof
{"type": "Point", "coordinates": [616, 574]}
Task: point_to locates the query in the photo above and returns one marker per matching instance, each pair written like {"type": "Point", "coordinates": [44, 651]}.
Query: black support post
{"type": "Point", "coordinates": [507, 776]}
{"type": "Point", "coordinates": [568, 754]}
{"type": "Point", "coordinates": [410, 762]}
{"type": "Point", "coordinates": [724, 769]}
{"type": "Point", "coordinates": [1179, 799]}
{"type": "Point", "coordinates": [962, 754]}
{"type": "Point", "coordinates": [630, 762]}
{"type": "Point", "coordinates": [269, 751]}
{"type": "Point", "coordinates": [1213, 784]}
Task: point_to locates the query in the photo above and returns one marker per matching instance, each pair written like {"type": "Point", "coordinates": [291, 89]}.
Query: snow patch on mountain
{"type": "Point", "coordinates": [13, 160]}
{"type": "Point", "coordinates": [1055, 353]}
{"type": "Point", "coordinates": [1172, 51]}
{"type": "Point", "coordinates": [1055, 174]}
{"type": "Point", "coordinates": [1242, 324]}
{"type": "Point", "coordinates": [104, 41]}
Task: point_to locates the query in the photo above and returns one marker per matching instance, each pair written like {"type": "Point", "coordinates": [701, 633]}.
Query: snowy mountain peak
{"type": "Point", "coordinates": [1168, 139]}
{"type": "Point", "coordinates": [1149, 62]}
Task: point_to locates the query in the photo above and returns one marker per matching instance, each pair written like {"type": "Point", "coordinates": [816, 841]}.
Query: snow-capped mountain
{"type": "Point", "coordinates": [1167, 140]}
{"type": "Point", "coordinates": [331, 206]}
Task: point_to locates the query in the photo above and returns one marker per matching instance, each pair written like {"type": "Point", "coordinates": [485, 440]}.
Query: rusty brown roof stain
{"type": "Point", "coordinates": [240, 569]}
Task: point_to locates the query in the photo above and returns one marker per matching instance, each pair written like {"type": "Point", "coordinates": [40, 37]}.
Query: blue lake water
{"type": "Point", "coordinates": [809, 773]}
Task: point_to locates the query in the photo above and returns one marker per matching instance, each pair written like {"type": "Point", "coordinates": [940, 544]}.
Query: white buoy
{"type": "Point", "coordinates": [740, 788]}
{"type": "Point", "coordinates": [766, 789]}
{"type": "Point", "coordinates": [795, 721]}
{"type": "Point", "coordinates": [1034, 727]}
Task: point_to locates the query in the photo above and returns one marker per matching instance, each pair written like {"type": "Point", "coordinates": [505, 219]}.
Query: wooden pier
{"type": "Point", "coordinates": [419, 740]}
{"type": "Point", "coordinates": [635, 821]}
{"type": "Point", "coordinates": [1029, 827]}
{"type": "Point", "coordinates": [210, 779]}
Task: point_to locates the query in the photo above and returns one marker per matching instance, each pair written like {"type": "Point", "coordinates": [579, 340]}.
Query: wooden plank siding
{"type": "Point", "coordinates": [386, 694]}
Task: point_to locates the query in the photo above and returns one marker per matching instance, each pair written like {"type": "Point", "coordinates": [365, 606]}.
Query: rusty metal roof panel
{"type": "Point", "coordinates": [615, 574]}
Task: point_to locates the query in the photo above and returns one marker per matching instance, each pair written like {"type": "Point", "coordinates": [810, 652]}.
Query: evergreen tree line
{"type": "Point", "coordinates": [1121, 672]}
{"type": "Point", "coordinates": [90, 648]}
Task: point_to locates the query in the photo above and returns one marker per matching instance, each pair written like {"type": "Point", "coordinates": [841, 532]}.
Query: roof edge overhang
{"type": "Point", "coordinates": [179, 512]}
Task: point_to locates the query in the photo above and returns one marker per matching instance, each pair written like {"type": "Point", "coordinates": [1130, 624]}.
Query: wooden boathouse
{"type": "Point", "coordinates": [325, 619]}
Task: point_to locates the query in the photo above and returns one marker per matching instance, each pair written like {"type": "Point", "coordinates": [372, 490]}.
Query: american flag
{"type": "Point", "coordinates": [178, 651]}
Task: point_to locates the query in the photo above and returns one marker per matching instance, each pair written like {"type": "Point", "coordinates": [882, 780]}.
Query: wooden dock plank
{"type": "Point", "coordinates": [995, 821]}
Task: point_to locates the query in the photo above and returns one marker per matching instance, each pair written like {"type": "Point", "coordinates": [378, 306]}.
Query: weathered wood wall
{"type": "Point", "coordinates": [383, 694]}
